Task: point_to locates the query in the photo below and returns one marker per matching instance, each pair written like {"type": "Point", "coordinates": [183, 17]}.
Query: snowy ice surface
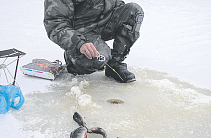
{"type": "Point", "coordinates": [171, 61]}
{"type": "Point", "coordinates": [176, 38]}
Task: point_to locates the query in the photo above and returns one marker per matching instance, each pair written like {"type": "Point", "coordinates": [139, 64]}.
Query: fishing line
{"type": "Point", "coordinates": [102, 59]}
{"type": "Point", "coordinates": [114, 71]}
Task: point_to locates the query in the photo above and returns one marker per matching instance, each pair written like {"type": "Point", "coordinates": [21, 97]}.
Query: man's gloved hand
{"type": "Point", "coordinates": [89, 50]}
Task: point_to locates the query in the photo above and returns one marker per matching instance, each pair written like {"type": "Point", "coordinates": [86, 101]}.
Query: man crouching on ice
{"type": "Point", "coordinates": [81, 27]}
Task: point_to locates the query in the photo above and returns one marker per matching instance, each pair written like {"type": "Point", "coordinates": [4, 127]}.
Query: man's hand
{"type": "Point", "coordinates": [89, 50]}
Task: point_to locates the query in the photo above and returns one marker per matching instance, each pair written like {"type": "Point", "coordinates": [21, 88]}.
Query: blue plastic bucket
{"type": "Point", "coordinates": [9, 94]}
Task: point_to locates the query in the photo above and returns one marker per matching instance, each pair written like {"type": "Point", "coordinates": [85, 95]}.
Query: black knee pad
{"type": "Point", "coordinates": [136, 17]}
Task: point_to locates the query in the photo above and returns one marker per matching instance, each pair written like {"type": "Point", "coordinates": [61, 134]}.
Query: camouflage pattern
{"type": "Point", "coordinates": [71, 23]}
{"type": "Point", "coordinates": [123, 27]}
{"type": "Point", "coordinates": [66, 21]}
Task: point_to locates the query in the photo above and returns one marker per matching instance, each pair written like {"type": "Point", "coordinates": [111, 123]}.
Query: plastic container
{"type": "Point", "coordinates": [10, 96]}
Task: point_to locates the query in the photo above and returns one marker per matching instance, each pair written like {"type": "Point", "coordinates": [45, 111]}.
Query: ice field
{"type": "Point", "coordinates": [171, 61]}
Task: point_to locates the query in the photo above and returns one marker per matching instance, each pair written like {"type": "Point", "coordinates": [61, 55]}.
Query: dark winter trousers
{"type": "Point", "coordinates": [123, 27]}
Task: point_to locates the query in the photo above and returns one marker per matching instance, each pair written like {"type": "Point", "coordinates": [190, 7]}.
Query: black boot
{"type": "Point", "coordinates": [120, 73]}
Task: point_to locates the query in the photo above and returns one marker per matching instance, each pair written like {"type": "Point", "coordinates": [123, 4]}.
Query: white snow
{"type": "Point", "coordinates": [175, 38]}
{"type": "Point", "coordinates": [171, 61]}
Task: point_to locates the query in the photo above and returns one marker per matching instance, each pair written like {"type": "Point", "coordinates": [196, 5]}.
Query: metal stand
{"type": "Point", "coordinates": [11, 53]}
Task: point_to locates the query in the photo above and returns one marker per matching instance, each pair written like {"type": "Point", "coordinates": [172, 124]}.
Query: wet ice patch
{"type": "Point", "coordinates": [75, 90]}
{"type": "Point", "coordinates": [84, 100]}
{"type": "Point", "coordinates": [156, 105]}
{"type": "Point", "coordinates": [49, 112]}
{"type": "Point", "coordinates": [187, 97]}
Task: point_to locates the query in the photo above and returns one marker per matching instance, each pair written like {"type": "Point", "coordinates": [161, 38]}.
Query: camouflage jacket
{"type": "Point", "coordinates": [66, 21]}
